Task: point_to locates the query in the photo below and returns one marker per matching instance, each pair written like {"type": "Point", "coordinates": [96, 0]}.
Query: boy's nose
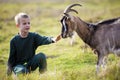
{"type": "Point", "coordinates": [27, 25]}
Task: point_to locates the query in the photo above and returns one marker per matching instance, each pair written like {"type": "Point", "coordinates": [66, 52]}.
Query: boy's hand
{"type": "Point", "coordinates": [9, 71]}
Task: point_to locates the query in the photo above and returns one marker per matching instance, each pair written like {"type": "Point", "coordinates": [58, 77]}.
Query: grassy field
{"type": "Point", "coordinates": [65, 62]}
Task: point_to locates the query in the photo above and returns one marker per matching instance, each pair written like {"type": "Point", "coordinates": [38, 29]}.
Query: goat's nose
{"type": "Point", "coordinates": [64, 36]}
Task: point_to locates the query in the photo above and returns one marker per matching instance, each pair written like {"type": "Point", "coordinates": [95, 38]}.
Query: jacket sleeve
{"type": "Point", "coordinates": [43, 40]}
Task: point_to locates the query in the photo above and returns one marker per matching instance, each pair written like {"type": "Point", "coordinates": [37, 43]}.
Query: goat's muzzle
{"type": "Point", "coordinates": [64, 35]}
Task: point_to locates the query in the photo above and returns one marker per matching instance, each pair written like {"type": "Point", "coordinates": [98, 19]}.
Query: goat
{"type": "Point", "coordinates": [103, 37]}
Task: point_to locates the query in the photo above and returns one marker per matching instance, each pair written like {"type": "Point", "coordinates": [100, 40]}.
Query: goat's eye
{"type": "Point", "coordinates": [60, 20]}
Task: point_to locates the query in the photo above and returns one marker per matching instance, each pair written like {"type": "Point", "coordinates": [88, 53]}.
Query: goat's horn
{"type": "Point", "coordinates": [68, 9]}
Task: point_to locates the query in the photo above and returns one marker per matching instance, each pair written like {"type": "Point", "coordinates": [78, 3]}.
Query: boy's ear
{"type": "Point", "coordinates": [17, 25]}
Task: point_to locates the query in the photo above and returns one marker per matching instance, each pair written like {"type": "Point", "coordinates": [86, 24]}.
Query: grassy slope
{"type": "Point", "coordinates": [65, 61]}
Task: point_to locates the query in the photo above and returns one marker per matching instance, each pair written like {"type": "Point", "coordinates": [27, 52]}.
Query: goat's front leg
{"type": "Point", "coordinates": [99, 62]}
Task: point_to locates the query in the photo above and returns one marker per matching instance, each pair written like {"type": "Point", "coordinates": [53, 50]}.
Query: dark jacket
{"type": "Point", "coordinates": [23, 49]}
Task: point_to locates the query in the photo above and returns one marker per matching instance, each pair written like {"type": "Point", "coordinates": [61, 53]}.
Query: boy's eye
{"type": "Point", "coordinates": [24, 23]}
{"type": "Point", "coordinates": [28, 22]}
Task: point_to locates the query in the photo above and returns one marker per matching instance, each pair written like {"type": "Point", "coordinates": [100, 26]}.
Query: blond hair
{"type": "Point", "coordinates": [20, 15]}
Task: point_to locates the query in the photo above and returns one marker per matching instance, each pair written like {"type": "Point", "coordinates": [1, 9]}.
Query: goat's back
{"type": "Point", "coordinates": [107, 36]}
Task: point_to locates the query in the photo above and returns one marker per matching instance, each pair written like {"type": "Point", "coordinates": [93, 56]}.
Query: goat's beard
{"type": "Point", "coordinates": [70, 34]}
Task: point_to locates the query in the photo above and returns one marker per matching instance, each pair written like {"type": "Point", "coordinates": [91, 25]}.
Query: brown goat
{"type": "Point", "coordinates": [103, 37]}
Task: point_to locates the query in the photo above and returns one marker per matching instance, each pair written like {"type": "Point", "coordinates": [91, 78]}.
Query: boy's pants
{"type": "Point", "coordinates": [38, 60]}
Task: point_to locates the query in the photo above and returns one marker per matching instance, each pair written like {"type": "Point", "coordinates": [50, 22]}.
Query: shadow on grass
{"type": "Point", "coordinates": [53, 56]}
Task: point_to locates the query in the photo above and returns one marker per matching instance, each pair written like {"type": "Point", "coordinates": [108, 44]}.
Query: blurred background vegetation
{"type": "Point", "coordinates": [65, 62]}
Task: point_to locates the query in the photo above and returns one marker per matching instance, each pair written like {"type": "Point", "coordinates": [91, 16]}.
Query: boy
{"type": "Point", "coordinates": [22, 58]}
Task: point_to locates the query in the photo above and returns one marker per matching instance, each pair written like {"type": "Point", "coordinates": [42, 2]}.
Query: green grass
{"type": "Point", "coordinates": [65, 62]}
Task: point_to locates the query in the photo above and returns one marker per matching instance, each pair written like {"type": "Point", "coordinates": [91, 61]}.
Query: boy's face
{"type": "Point", "coordinates": [24, 24]}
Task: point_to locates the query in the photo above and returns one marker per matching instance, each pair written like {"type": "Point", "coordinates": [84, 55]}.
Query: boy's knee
{"type": "Point", "coordinates": [41, 55]}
